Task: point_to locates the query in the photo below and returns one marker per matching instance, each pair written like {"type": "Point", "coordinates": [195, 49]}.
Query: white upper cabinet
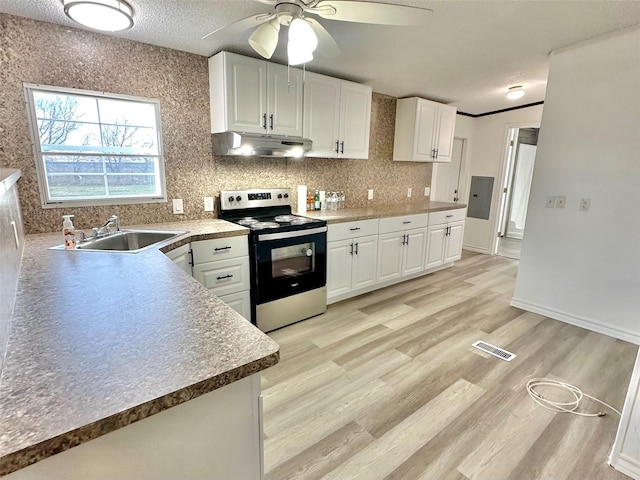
{"type": "Point", "coordinates": [424, 131]}
{"type": "Point", "coordinates": [337, 117]}
{"type": "Point", "coordinates": [251, 95]}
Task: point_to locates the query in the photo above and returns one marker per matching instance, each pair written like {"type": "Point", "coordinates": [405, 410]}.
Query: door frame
{"type": "Point", "coordinates": [462, 173]}
{"type": "Point", "coordinates": [504, 172]}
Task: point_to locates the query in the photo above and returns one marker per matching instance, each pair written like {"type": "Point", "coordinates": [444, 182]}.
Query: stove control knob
{"type": "Point", "coordinates": [238, 198]}
{"type": "Point", "coordinates": [231, 199]}
{"type": "Point", "coordinates": [286, 195]}
{"type": "Point", "coordinates": [279, 195]}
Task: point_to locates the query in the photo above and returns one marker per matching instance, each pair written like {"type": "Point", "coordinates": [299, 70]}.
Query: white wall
{"type": "Point", "coordinates": [584, 267]}
{"type": "Point", "coordinates": [486, 159]}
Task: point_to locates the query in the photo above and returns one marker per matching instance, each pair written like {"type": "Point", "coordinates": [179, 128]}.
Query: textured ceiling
{"type": "Point", "coordinates": [467, 54]}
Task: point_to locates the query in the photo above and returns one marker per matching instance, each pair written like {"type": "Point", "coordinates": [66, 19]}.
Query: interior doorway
{"type": "Point", "coordinates": [447, 186]}
{"type": "Point", "coordinates": [521, 154]}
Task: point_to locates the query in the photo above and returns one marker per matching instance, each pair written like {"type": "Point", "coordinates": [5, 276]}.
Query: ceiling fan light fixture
{"type": "Point", "coordinates": [105, 15]}
{"type": "Point", "coordinates": [515, 92]}
{"type": "Point", "coordinates": [301, 34]}
{"type": "Point", "coordinates": [264, 39]}
{"type": "Point", "coordinates": [298, 56]}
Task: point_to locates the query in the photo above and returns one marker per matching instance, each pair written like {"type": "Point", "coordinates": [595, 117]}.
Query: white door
{"type": "Point", "coordinates": [426, 123]}
{"type": "Point", "coordinates": [446, 127]}
{"type": "Point", "coordinates": [339, 259]}
{"type": "Point", "coordinates": [246, 80]}
{"type": "Point", "coordinates": [414, 251]}
{"type": "Point", "coordinates": [284, 100]}
{"type": "Point", "coordinates": [435, 246]}
{"type": "Point", "coordinates": [390, 250]}
{"type": "Point", "coordinates": [321, 114]}
{"type": "Point", "coordinates": [355, 120]}
{"type": "Point", "coordinates": [363, 272]}
{"type": "Point", "coordinates": [454, 242]}
{"type": "Point", "coordinates": [446, 186]}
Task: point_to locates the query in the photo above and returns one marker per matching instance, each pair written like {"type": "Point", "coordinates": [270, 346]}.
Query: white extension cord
{"type": "Point", "coordinates": [563, 407]}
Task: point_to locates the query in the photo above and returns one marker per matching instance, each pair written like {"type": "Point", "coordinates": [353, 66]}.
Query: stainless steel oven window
{"type": "Point", "coordinates": [293, 260]}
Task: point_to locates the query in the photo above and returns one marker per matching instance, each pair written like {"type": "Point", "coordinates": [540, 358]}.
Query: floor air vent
{"type": "Point", "coordinates": [495, 351]}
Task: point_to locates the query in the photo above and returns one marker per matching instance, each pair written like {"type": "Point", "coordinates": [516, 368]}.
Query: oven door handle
{"type": "Point", "coordinates": [294, 234]}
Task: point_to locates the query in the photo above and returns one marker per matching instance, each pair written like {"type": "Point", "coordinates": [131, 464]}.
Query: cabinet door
{"type": "Point", "coordinates": [284, 100]}
{"type": "Point", "coordinates": [180, 256]}
{"type": "Point", "coordinates": [414, 251]}
{"type": "Point", "coordinates": [240, 302]}
{"type": "Point", "coordinates": [435, 246]}
{"type": "Point", "coordinates": [446, 127]}
{"type": "Point", "coordinates": [224, 276]}
{"type": "Point", "coordinates": [355, 120]}
{"type": "Point", "coordinates": [321, 114]}
{"type": "Point", "coordinates": [339, 260]}
{"type": "Point", "coordinates": [246, 91]}
{"type": "Point", "coordinates": [390, 250]}
{"type": "Point", "coordinates": [426, 126]}
{"type": "Point", "coordinates": [363, 271]}
{"type": "Point", "coordinates": [454, 242]}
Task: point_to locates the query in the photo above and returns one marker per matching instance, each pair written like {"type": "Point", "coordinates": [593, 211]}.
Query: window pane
{"type": "Point", "coordinates": [132, 185]}
{"type": "Point", "coordinates": [127, 139]}
{"type": "Point", "coordinates": [73, 164]}
{"type": "Point", "coordinates": [74, 186]}
{"type": "Point", "coordinates": [134, 113]}
{"type": "Point", "coordinates": [130, 165]}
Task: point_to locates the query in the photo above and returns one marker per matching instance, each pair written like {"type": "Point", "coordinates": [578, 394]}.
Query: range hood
{"type": "Point", "coordinates": [255, 144]}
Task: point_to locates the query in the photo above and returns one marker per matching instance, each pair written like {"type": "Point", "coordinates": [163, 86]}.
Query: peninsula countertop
{"type": "Point", "coordinates": [382, 211]}
{"type": "Point", "coordinates": [100, 340]}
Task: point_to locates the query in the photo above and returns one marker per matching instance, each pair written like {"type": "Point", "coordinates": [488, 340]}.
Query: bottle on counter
{"type": "Point", "coordinates": [69, 232]}
{"type": "Point", "coordinates": [309, 202]}
{"type": "Point", "coordinates": [316, 200]}
{"type": "Point", "coordinates": [323, 200]}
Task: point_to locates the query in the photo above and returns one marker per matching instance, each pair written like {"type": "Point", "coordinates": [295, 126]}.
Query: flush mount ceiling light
{"type": "Point", "coordinates": [515, 92]}
{"type": "Point", "coordinates": [106, 15]}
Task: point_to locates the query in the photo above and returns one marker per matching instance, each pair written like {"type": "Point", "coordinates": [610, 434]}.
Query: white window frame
{"type": "Point", "coordinates": [46, 201]}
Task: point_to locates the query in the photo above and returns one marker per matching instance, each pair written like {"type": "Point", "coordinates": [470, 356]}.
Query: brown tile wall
{"type": "Point", "coordinates": [43, 53]}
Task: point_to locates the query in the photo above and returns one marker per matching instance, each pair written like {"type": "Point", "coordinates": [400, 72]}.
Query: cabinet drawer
{"type": "Point", "coordinates": [361, 228]}
{"type": "Point", "coordinates": [447, 216]}
{"type": "Point", "coordinates": [224, 276]}
{"type": "Point", "coordinates": [405, 222]}
{"type": "Point", "coordinates": [219, 249]}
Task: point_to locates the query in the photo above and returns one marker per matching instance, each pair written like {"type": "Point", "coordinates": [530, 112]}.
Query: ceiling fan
{"type": "Point", "coordinates": [306, 33]}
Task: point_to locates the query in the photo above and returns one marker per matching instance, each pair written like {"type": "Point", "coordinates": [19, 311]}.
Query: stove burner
{"type": "Point", "coordinates": [300, 221]}
{"type": "Point", "coordinates": [259, 225]}
{"type": "Point", "coordinates": [247, 221]}
{"type": "Point", "coordinates": [285, 218]}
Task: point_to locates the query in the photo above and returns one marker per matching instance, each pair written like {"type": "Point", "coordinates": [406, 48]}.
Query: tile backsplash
{"type": "Point", "coordinates": [48, 54]}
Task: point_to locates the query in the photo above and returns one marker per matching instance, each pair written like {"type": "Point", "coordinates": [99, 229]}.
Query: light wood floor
{"type": "Point", "coordinates": [509, 247]}
{"type": "Point", "coordinates": [386, 386]}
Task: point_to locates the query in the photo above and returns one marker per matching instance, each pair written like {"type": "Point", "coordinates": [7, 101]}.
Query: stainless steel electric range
{"type": "Point", "coordinates": [288, 255]}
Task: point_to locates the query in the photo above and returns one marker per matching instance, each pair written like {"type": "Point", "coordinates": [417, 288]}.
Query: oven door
{"type": "Point", "coordinates": [288, 263]}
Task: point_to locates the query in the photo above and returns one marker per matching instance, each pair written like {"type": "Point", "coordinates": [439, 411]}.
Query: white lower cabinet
{"type": "Point", "coordinates": [444, 238]}
{"type": "Point", "coordinates": [181, 257]}
{"type": "Point", "coordinates": [217, 435]}
{"type": "Point", "coordinates": [401, 250]}
{"type": "Point", "coordinates": [351, 258]}
{"type": "Point", "coordinates": [240, 302]}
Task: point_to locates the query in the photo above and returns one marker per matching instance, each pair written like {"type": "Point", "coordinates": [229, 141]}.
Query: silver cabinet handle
{"type": "Point", "coordinates": [264, 121]}
{"type": "Point", "coordinates": [222, 278]}
{"type": "Point", "coordinates": [342, 147]}
{"type": "Point", "coordinates": [15, 233]}
{"type": "Point", "coordinates": [271, 121]}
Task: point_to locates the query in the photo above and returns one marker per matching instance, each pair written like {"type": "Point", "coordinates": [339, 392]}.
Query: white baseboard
{"type": "Point", "coordinates": [588, 323]}
{"type": "Point", "coordinates": [626, 465]}
{"type": "Point", "coordinates": [476, 249]}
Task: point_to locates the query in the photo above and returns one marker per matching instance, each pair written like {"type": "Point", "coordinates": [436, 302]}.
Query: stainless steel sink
{"type": "Point", "coordinates": [129, 241]}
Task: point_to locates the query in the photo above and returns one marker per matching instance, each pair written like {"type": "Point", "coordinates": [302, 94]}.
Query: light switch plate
{"type": "Point", "coordinates": [551, 202]}
{"type": "Point", "coordinates": [585, 204]}
{"type": "Point", "coordinates": [208, 204]}
{"type": "Point", "coordinates": [178, 206]}
{"type": "Point", "coordinates": [370, 194]}
{"type": "Point", "coordinates": [561, 201]}
{"type": "Point", "coordinates": [427, 191]}
{"type": "Point", "coordinates": [408, 192]}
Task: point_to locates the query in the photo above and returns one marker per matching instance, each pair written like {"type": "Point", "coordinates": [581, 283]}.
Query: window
{"type": "Point", "coordinates": [94, 148]}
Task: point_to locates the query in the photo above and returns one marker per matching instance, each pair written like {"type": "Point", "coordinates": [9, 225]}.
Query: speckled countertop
{"type": "Point", "coordinates": [382, 211]}
{"type": "Point", "coordinates": [100, 340]}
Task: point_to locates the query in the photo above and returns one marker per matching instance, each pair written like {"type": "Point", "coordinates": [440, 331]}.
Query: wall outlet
{"type": "Point", "coordinates": [178, 207]}
{"type": "Point", "coordinates": [208, 204]}
{"type": "Point", "coordinates": [408, 192]}
{"type": "Point", "coordinates": [585, 204]}
{"type": "Point", "coordinates": [370, 194]}
{"type": "Point", "coordinates": [561, 200]}
{"type": "Point", "coordinates": [427, 191]}
{"type": "Point", "coordinates": [551, 202]}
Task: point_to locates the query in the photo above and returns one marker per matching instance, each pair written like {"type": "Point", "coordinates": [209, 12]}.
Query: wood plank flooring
{"type": "Point", "coordinates": [387, 386]}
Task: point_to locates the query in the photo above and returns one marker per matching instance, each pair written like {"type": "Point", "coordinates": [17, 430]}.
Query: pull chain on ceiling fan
{"type": "Point", "coordinates": [306, 33]}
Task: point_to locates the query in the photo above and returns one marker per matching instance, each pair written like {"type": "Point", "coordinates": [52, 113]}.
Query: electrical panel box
{"type": "Point", "coordinates": [480, 197]}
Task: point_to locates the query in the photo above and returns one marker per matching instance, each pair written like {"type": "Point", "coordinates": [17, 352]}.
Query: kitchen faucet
{"type": "Point", "coordinates": [104, 230]}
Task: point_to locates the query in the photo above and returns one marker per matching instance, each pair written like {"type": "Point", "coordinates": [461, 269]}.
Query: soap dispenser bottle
{"type": "Point", "coordinates": [69, 232]}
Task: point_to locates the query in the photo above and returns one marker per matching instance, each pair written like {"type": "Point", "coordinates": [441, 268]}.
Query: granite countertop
{"type": "Point", "coordinates": [382, 211]}
{"type": "Point", "coordinates": [99, 340]}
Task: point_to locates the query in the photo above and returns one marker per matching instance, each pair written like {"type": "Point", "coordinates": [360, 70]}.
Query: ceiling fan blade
{"type": "Point", "coordinates": [239, 26]}
{"type": "Point", "coordinates": [371, 12]}
{"type": "Point", "coordinates": [327, 46]}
